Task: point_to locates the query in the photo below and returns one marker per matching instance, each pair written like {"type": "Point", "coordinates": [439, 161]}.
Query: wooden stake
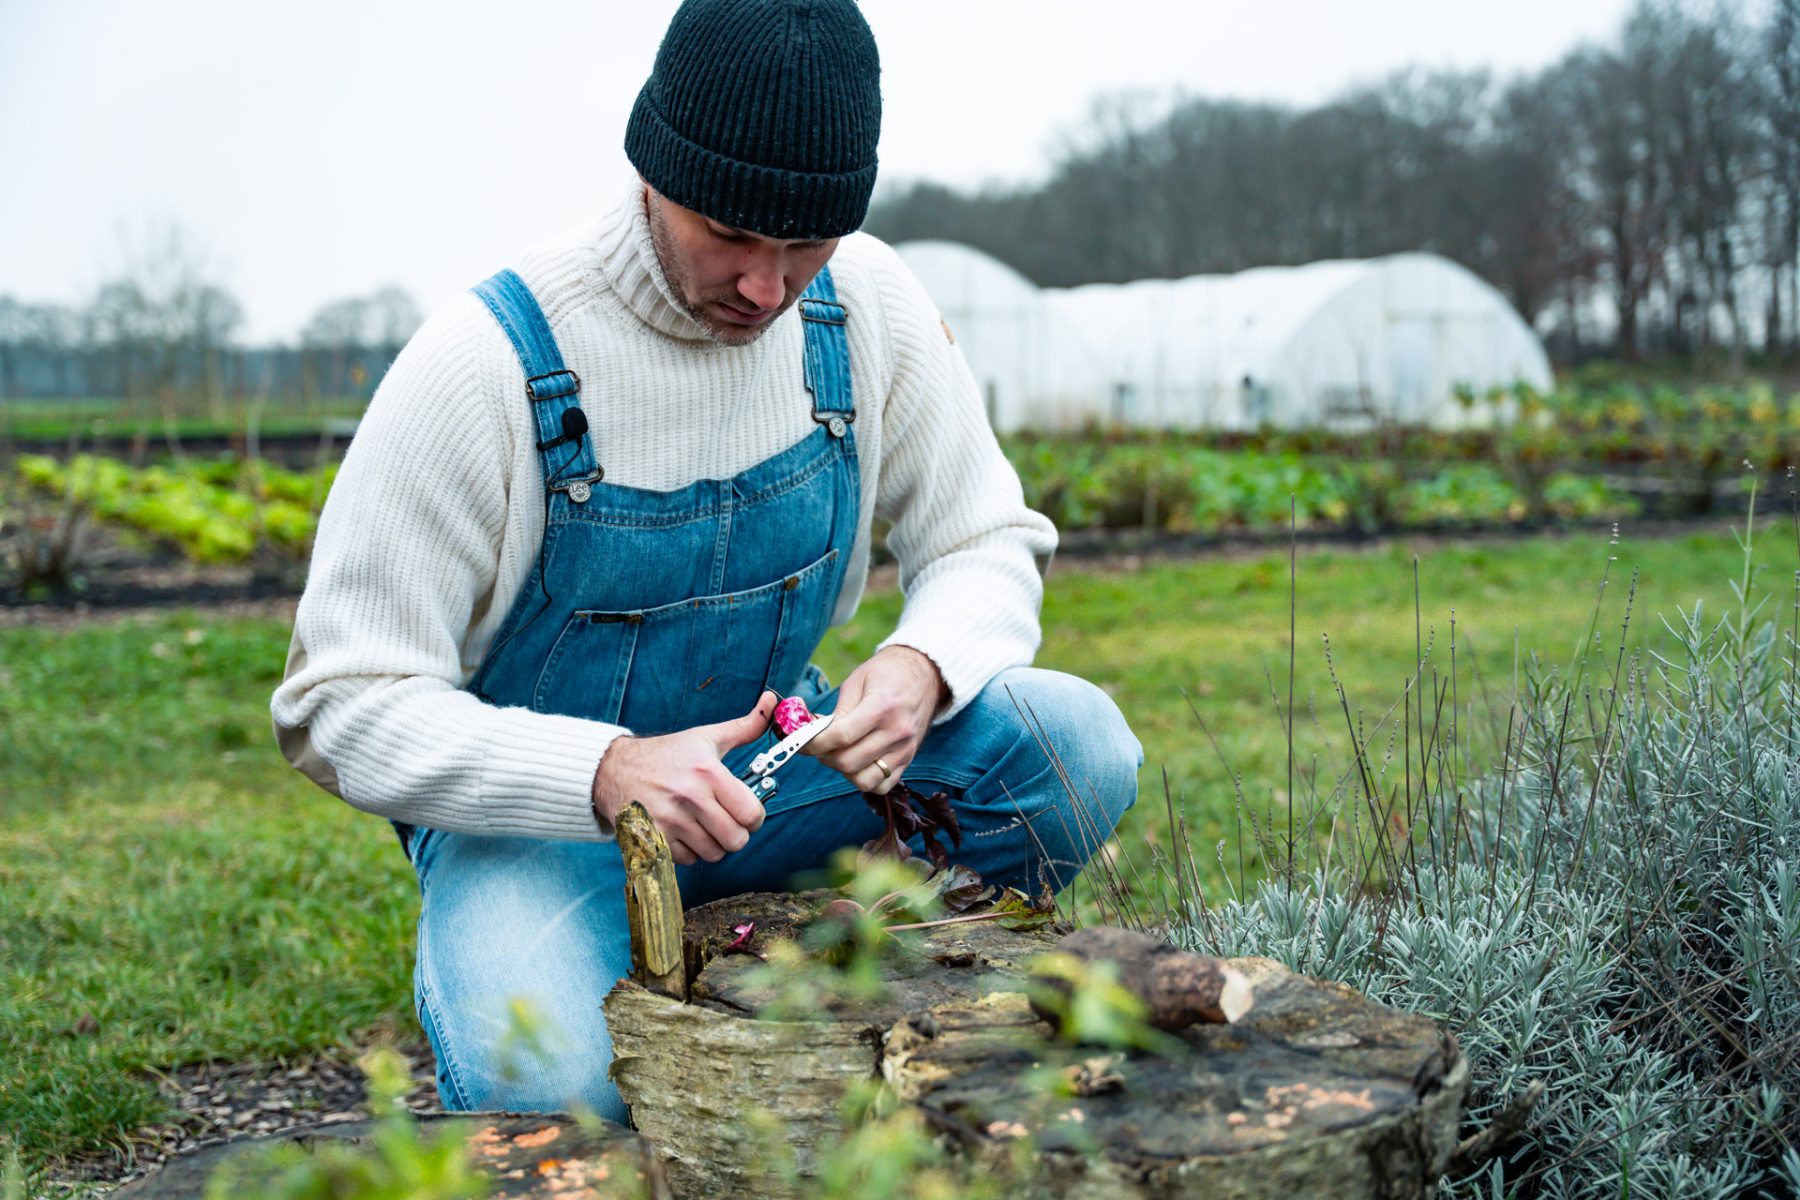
{"type": "Point", "coordinates": [652, 904]}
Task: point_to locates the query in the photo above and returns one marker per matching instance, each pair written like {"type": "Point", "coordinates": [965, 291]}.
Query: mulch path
{"type": "Point", "coordinates": [220, 1100]}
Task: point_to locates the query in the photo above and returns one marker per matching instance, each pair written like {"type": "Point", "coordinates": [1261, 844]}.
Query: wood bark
{"type": "Point", "coordinates": [1177, 988]}
{"type": "Point", "coordinates": [1315, 1091]}
{"type": "Point", "coordinates": [652, 903]}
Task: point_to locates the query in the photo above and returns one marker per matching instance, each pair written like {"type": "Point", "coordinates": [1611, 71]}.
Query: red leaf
{"type": "Point", "coordinates": [888, 845]}
{"type": "Point", "coordinates": [937, 807]}
{"type": "Point", "coordinates": [906, 813]}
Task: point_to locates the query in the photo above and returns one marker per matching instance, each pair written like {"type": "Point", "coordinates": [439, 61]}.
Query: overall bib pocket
{"type": "Point", "coordinates": [714, 654]}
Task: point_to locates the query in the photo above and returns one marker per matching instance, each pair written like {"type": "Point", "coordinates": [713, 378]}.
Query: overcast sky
{"type": "Point", "coordinates": [322, 148]}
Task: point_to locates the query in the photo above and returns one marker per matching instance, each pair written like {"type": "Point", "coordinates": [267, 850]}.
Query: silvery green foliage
{"type": "Point", "coordinates": [1615, 911]}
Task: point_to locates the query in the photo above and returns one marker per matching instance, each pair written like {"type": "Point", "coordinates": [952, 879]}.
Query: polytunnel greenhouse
{"type": "Point", "coordinates": [1336, 344]}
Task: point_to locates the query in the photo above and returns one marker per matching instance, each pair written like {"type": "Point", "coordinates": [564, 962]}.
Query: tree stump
{"type": "Point", "coordinates": [526, 1156]}
{"type": "Point", "coordinates": [1317, 1091]}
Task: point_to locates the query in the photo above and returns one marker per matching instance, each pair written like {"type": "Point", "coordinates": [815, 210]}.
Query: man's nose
{"type": "Point", "coordinates": [762, 283]}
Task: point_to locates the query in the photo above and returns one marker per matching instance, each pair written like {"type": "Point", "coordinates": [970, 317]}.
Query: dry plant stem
{"type": "Point", "coordinates": [1293, 609]}
{"type": "Point", "coordinates": [1184, 902]}
{"type": "Point", "coordinates": [1794, 634]}
{"type": "Point", "coordinates": [1507, 1124]}
{"type": "Point", "coordinates": [1043, 852]}
{"type": "Point", "coordinates": [941, 921]}
{"type": "Point", "coordinates": [1091, 839]}
{"type": "Point", "coordinates": [1237, 784]}
{"type": "Point", "coordinates": [1607, 733]}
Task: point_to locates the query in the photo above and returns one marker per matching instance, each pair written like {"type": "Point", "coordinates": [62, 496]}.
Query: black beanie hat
{"type": "Point", "coordinates": [763, 115]}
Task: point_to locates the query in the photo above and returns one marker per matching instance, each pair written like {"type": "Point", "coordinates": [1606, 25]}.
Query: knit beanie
{"type": "Point", "coordinates": [763, 115]}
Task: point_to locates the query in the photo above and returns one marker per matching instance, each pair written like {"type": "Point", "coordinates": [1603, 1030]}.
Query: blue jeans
{"type": "Point", "coordinates": [544, 921]}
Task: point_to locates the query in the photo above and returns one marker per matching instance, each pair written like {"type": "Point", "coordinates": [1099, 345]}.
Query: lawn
{"type": "Point", "coordinates": [170, 892]}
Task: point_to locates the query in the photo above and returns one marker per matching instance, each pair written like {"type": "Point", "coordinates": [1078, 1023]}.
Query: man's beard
{"type": "Point", "coordinates": [723, 333]}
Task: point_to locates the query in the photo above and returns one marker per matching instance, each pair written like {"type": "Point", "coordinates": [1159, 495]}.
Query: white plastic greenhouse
{"type": "Point", "coordinates": [1336, 344]}
{"type": "Point", "coordinates": [1035, 368]}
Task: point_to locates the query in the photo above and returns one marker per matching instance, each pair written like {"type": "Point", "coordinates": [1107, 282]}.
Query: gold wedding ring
{"type": "Point", "coordinates": [887, 772]}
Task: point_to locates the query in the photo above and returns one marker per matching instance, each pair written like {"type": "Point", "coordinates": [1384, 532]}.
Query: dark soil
{"type": "Point", "coordinates": [118, 574]}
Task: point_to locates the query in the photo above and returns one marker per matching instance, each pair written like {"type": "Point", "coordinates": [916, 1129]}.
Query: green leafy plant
{"type": "Point", "coordinates": [225, 511]}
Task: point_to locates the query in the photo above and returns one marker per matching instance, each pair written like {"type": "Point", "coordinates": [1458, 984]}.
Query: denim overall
{"type": "Point", "coordinates": [660, 611]}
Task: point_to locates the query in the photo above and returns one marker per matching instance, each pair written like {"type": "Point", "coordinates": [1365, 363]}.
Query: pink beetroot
{"type": "Point", "coordinates": [791, 714]}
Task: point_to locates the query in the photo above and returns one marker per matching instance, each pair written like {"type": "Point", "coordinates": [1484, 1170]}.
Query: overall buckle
{"type": "Point", "coordinates": [551, 385]}
{"type": "Point", "coordinates": [835, 423]}
{"type": "Point", "coordinates": [822, 311]}
{"type": "Point", "coordinates": [581, 488]}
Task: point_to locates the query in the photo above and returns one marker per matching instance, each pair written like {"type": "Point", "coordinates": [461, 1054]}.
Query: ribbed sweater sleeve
{"type": "Point", "coordinates": [407, 553]}
{"type": "Point", "coordinates": [967, 546]}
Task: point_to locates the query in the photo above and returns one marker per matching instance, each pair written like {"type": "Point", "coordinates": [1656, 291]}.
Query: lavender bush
{"type": "Point", "coordinates": [1613, 910]}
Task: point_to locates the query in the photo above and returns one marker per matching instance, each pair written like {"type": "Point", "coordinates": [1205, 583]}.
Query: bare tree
{"type": "Point", "coordinates": [1781, 100]}
{"type": "Point", "coordinates": [14, 334]}
{"type": "Point", "coordinates": [393, 317]}
{"type": "Point", "coordinates": [343, 335]}
{"type": "Point", "coordinates": [161, 322]}
{"type": "Point", "coordinates": [1658, 174]}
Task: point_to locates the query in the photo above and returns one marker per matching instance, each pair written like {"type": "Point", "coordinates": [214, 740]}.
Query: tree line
{"type": "Point", "coordinates": [1636, 198]}
{"type": "Point", "coordinates": [161, 328]}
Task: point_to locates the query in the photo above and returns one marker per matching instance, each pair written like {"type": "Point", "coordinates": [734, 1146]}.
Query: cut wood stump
{"type": "Point", "coordinates": [1316, 1091]}
{"type": "Point", "coordinates": [525, 1156]}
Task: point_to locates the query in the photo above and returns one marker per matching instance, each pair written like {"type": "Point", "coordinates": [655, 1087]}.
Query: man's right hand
{"type": "Point", "coordinates": [704, 810]}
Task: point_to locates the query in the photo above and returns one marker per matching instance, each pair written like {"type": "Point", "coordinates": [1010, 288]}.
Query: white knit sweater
{"type": "Point", "coordinates": [438, 511]}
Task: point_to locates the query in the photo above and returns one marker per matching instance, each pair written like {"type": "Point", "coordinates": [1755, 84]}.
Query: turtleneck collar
{"type": "Point", "coordinates": [628, 260]}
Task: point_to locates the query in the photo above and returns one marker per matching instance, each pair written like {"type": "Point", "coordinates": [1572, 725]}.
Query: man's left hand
{"type": "Point", "coordinates": [883, 711]}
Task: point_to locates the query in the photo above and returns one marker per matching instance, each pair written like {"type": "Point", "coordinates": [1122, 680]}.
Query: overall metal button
{"type": "Point", "coordinates": [579, 491]}
{"type": "Point", "coordinates": [836, 426]}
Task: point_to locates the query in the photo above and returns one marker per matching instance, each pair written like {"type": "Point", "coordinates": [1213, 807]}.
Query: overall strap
{"type": "Point", "coordinates": [564, 447]}
{"type": "Point", "coordinates": [827, 355]}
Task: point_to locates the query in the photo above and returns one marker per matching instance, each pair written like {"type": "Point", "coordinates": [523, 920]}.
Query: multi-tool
{"type": "Point", "coordinates": [763, 767]}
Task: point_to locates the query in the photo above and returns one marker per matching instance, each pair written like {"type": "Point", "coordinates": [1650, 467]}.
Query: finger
{"type": "Point", "coordinates": [725, 832]}
{"type": "Point", "coordinates": [698, 840]}
{"type": "Point", "coordinates": [880, 743]}
{"type": "Point", "coordinates": [681, 854]}
{"type": "Point", "coordinates": [871, 778]}
{"type": "Point", "coordinates": [736, 798]}
{"type": "Point", "coordinates": [848, 723]}
{"type": "Point", "coordinates": [850, 733]}
{"type": "Point", "coordinates": [741, 731]}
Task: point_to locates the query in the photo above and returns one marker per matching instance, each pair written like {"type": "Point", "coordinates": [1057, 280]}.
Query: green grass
{"type": "Point", "coordinates": [1218, 631]}
{"type": "Point", "coordinates": [170, 892]}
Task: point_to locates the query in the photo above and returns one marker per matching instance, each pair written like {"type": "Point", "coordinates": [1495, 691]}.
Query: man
{"type": "Point", "coordinates": [601, 512]}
